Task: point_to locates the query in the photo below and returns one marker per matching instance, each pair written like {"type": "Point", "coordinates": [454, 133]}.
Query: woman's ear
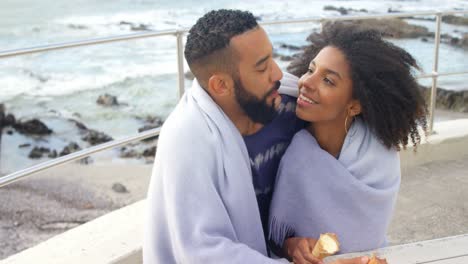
{"type": "Point", "coordinates": [354, 108]}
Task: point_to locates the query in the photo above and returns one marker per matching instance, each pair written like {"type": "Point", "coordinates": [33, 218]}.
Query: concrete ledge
{"type": "Point", "coordinates": [117, 237]}
{"type": "Point", "coordinates": [449, 142]}
{"type": "Point", "coordinates": [449, 250]}
{"type": "Point", "coordinates": [113, 238]}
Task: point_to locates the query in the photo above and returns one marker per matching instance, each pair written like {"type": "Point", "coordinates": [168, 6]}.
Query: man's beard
{"type": "Point", "coordinates": [258, 110]}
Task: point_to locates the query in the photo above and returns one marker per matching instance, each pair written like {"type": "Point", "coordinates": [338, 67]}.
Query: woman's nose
{"type": "Point", "coordinates": [307, 81]}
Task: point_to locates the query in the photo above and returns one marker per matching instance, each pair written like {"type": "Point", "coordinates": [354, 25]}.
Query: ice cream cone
{"type": "Point", "coordinates": [327, 245]}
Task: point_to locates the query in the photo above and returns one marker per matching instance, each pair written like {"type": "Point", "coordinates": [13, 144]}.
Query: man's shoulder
{"type": "Point", "coordinates": [184, 127]}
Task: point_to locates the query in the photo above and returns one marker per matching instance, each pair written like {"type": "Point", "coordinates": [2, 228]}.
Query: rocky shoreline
{"type": "Point", "coordinates": [39, 134]}
{"type": "Point", "coordinates": [395, 28]}
{"type": "Point", "coordinates": [456, 101]}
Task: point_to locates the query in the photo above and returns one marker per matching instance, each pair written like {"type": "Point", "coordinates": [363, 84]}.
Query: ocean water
{"type": "Point", "coordinates": [142, 73]}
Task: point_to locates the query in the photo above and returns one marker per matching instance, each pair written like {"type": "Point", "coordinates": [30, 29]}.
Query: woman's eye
{"type": "Point", "coordinates": [310, 70]}
{"type": "Point", "coordinates": [328, 81]}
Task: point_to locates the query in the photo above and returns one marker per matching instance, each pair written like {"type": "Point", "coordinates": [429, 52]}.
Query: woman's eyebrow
{"type": "Point", "coordinates": [328, 71]}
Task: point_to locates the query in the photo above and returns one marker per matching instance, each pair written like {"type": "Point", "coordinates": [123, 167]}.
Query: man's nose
{"type": "Point", "coordinates": [276, 73]}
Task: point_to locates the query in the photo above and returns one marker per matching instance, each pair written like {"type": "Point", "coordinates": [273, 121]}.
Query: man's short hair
{"type": "Point", "coordinates": [206, 50]}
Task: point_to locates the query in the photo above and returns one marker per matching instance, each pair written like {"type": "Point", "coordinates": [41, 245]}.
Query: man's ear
{"type": "Point", "coordinates": [220, 84]}
{"type": "Point", "coordinates": [354, 108]}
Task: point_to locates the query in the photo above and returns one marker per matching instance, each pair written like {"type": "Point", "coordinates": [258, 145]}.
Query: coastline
{"type": "Point", "coordinates": [51, 202]}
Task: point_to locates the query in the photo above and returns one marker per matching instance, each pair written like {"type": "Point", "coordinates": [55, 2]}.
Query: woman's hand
{"type": "Point", "coordinates": [299, 250]}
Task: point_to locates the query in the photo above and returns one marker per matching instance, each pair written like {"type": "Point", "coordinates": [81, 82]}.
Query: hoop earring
{"type": "Point", "coordinates": [346, 124]}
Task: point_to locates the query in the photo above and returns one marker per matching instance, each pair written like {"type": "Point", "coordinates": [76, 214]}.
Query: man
{"type": "Point", "coordinates": [201, 200]}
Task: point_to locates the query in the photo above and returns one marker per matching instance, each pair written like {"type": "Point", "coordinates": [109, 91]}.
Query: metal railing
{"type": "Point", "coordinates": [179, 33]}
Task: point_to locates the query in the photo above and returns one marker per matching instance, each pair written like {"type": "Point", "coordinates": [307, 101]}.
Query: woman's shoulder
{"type": "Point", "coordinates": [303, 144]}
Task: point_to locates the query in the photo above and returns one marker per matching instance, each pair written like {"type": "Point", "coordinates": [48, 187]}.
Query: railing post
{"type": "Point", "coordinates": [2, 121]}
{"type": "Point", "coordinates": [435, 73]}
{"type": "Point", "coordinates": [180, 63]}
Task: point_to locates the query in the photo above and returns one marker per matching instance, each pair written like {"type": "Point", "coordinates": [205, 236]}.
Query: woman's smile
{"type": "Point", "coordinates": [303, 100]}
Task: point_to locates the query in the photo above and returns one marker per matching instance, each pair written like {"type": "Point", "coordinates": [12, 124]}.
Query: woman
{"type": "Point", "coordinates": [341, 173]}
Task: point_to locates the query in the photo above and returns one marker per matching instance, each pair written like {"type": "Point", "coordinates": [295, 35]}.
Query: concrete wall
{"type": "Point", "coordinates": [116, 237]}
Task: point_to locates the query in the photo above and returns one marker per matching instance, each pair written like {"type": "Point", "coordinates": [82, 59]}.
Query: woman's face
{"type": "Point", "coordinates": [325, 90]}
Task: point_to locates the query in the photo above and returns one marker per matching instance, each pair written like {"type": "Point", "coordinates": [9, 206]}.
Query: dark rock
{"type": "Point", "coordinates": [291, 47]}
{"type": "Point", "coordinates": [464, 41]}
{"type": "Point", "coordinates": [9, 120]}
{"type": "Point", "coordinates": [119, 188]}
{"type": "Point", "coordinates": [107, 100]}
{"type": "Point", "coordinates": [70, 148]}
{"type": "Point", "coordinates": [424, 40]}
{"type": "Point", "coordinates": [393, 27]}
{"type": "Point", "coordinates": [9, 132]}
{"type": "Point", "coordinates": [2, 115]}
{"type": "Point", "coordinates": [391, 10]}
{"type": "Point", "coordinates": [32, 127]}
{"type": "Point", "coordinates": [149, 152]}
{"type": "Point", "coordinates": [36, 76]}
{"type": "Point", "coordinates": [128, 153]}
{"type": "Point", "coordinates": [25, 145]}
{"type": "Point", "coordinates": [78, 124]}
{"type": "Point", "coordinates": [79, 27]}
{"type": "Point", "coordinates": [152, 122]}
{"type": "Point", "coordinates": [140, 27]}
{"type": "Point", "coordinates": [455, 20]}
{"type": "Point", "coordinates": [37, 152]}
{"type": "Point", "coordinates": [448, 99]}
{"type": "Point", "coordinates": [94, 137]}
{"type": "Point", "coordinates": [148, 127]}
{"type": "Point", "coordinates": [455, 41]}
{"type": "Point", "coordinates": [53, 154]}
{"type": "Point", "coordinates": [286, 58]}
{"type": "Point", "coordinates": [342, 10]}
{"type": "Point", "coordinates": [135, 27]}
{"type": "Point", "coordinates": [125, 23]}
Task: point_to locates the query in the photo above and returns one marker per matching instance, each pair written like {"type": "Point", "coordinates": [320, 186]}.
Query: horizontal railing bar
{"type": "Point", "coordinates": [10, 178]}
{"type": "Point", "coordinates": [431, 75]}
{"type": "Point", "coordinates": [88, 42]}
{"type": "Point", "coordinates": [150, 34]}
